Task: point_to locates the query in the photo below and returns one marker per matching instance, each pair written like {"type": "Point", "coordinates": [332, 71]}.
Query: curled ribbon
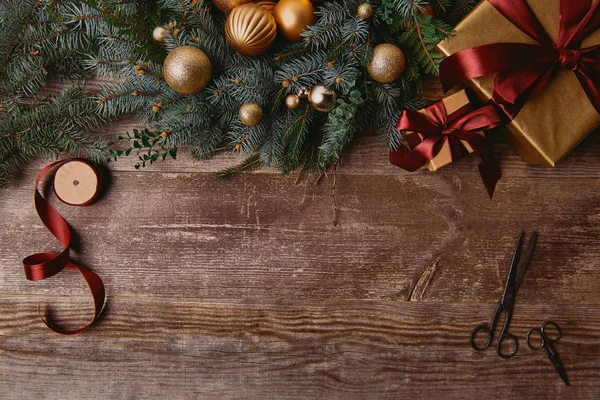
{"type": "Point", "coordinates": [41, 266]}
{"type": "Point", "coordinates": [525, 69]}
{"type": "Point", "coordinates": [436, 128]}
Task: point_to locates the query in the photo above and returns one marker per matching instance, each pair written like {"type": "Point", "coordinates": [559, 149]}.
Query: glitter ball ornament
{"type": "Point", "coordinates": [322, 98]}
{"type": "Point", "coordinates": [250, 29]}
{"type": "Point", "coordinates": [292, 101]}
{"type": "Point", "coordinates": [387, 63]}
{"type": "Point", "coordinates": [250, 114]}
{"type": "Point", "coordinates": [187, 69]}
{"type": "Point", "coordinates": [293, 16]}
{"type": "Point", "coordinates": [159, 33]}
{"type": "Point", "coordinates": [365, 11]}
{"type": "Point", "coordinates": [227, 6]}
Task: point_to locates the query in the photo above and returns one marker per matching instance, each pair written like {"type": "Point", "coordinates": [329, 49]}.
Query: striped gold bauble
{"type": "Point", "coordinates": [250, 29]}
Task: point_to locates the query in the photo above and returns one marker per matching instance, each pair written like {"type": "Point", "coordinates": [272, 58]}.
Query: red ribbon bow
{"type": "Point", "coordinates": [525, 69]}
{"type": "Point", "coordinates": [435, 128]}
{"type": "Point", "coordinates": [44, 265]}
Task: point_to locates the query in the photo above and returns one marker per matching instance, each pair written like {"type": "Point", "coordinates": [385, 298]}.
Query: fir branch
{"type": "Point", "coordinates": [250, 163]}
{"type": "Point", "coordinates": [13, 46]}
{"type": "Point", "coordinates": [114, 17]}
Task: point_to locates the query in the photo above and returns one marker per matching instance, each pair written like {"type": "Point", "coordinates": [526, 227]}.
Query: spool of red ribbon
{"type": "Point", "coordinates": [76, 182]}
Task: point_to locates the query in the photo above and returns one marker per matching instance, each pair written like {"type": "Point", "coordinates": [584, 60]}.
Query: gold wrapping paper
{"type": "Point", "coordinates": [452, 103]}
{"type": "Point", "coordinates": [552, 123]}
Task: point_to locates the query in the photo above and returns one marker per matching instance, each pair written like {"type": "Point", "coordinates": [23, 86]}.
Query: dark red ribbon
{"type": "Point", "coordinates": [41, 266]}
{"type": "Point", "coordinates": [525, 69]}
{"type": "Point", "coordinates": [435, 128]}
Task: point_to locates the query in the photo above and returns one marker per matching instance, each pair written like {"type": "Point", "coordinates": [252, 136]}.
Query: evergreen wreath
{"type": "Point", "coordinates": [45, 40]}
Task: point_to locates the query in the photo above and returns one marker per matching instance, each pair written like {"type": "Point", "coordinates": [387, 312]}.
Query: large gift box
{"type": "Point", "coordinates": [547, 86]}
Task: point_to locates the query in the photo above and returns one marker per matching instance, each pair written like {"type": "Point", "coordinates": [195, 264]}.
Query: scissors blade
{"type": "Point", "coordinates": [559, 368]}
{"type": "Point", "coordinates": [525, 260]}
{"type": "Point", "coordinates": [511, 288]}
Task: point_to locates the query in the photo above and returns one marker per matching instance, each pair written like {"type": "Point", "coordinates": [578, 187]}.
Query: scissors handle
{"type": "Point", "coordinates": [528, 339]}
{"type": "Point", "coordinates": [547, 336]}
{"type": "Point", "coordinates": [545, 340]}
{"type": "Point", "coordinates": [484, 329]}
{"type": "Point", "coordinates": [513, 351]}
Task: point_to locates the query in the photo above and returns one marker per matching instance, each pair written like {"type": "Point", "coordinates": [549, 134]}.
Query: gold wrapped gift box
{"type": "Point", "coordinates": [551, 123]}
{"type": "Point", "coordinates": [452, 103]}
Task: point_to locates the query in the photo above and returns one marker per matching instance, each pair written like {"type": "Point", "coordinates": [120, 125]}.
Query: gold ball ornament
{"type": "Point", "coordinates": [159, 33]}
{"type": "Point", "coordinates": [365, 11]}
{"type": "Point", "coordinates": [293, 16]}
{"type": "Point", "coordinates": [322, 98]}
{"type": "Point", "coordinates": [387, 63]}
{"type": "Point", "coordinates": [227, 6]}
{"type": "Point", "coordinates": [292, 101]}
{"type": "Point", "coordinates": [187, 69]}
{"type": "Point", "coordinates": [250, 29]}
{"type": "Point", "coordinates": [269, 5]}
{"type": "Point", "coordinates": [250, 114]}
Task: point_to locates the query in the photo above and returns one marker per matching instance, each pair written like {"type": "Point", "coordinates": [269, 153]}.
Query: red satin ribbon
{"type": "Point", "coordinates": [41, 266]}
{"type": "Point", "coordinates": [525, 69]}
{"type": "Point", "coordinates": [435, 128]}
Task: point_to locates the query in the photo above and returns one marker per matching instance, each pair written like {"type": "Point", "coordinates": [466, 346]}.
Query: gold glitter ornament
{"type": "Point", "coordinates": [293, 16]}
{"type": "Point", "coordinates": [227, 6]}
{"type": "Point", "coordinates": [187, 69]}
{"type": "Point", "coordinates": [250, 114]}
{"type": "Point", "coordinates": [159, 33]}
{"type": "Point", "coordinates": [322, 98]}
{"type": "Point", "coordinates": [387, 63]}
{"type": "Point", "coordinates": [365, 11]}
{"type": "Point", "coordinates": [292, 101]}
{"type": "Point", "coordinates": [250, 29]}
{"type": "Point", "coordinates": [269, 5]}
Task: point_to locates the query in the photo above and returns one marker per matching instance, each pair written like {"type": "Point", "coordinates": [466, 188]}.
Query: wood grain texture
{"type": "Point", "coordinates": [245, 289]}
{"type": "Point", "coordinates": [261, 236]}
{"type": "Point", "coordinates": [182, 348]}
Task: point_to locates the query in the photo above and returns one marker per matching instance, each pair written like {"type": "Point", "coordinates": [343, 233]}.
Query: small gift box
{"type": "Point", "coordinates": [457, 102]}
{"type": "Point", "coordinates": [446, 131]}
{"type": "Point", "coordinates": [539, 61]}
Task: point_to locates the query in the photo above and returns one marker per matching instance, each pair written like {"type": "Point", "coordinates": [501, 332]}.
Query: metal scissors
{"type": "Point", "coordinates": [515, 276]}
{"type": "Point", "coordinates": [547, 343]}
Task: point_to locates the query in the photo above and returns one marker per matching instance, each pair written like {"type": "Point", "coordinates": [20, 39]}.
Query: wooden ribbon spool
{"type": "Point", "coordinates": [77, 183]}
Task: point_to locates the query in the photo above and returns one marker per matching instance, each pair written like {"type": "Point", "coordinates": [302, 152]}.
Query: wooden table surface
{"type": "Point", "coordinates": [365, 285]}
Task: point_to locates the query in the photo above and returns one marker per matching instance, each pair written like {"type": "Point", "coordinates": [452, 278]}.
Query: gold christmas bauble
{"type": "Point", "coordinates": [250, 29]}
{"type": "Point", "coordinates": [387, 63]}
{"type": "Point", "coordinates": [250, 114]}
{"type": "Point", "coordinates": [227, 6]}
{"type": "Point", "coordinates": [269, 5]}
{"type": "Point", "coordinates": [365, 10]}
{"type": "Point", "coordinates": [292, 101]}
{"type": "Point", "coordinates": [187, 69]}
{"type": "Point", "coordinates": [159, 33]}
{"type": "Point", "coordinates": [322, 98]}
{"type": "Point", "coordinates": [293, 16]}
